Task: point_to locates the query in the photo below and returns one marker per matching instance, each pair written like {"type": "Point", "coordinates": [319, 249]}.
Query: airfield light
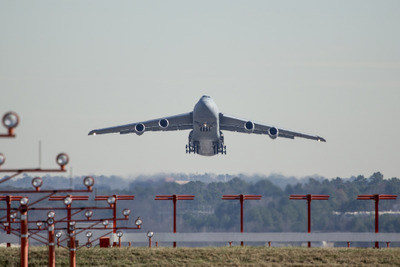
{"type": "Point", "coordinates": [39, 224]}
{"type": "Point", "coordinates": [150, 234]}
{"type": "Point", "coordinates": [50, 217]}
{"type": "Point", "coordinates": [111, 200]}
{"type": "Point", "coordinates": [6, 224]}
{"type": "Point", "coordinates": [241, 198]}
{"type": "Point", "coordinates": [13, 216]}
{"type": "Point", "coordinates": [105, 223]}
{"type": "Point", "coordinates": [10, 120]}
{"type": "Point", "coordinates": [309, 198]}
{"type": "Point", "coordinates": [24, 201]}
{"type": "Point", "coordinates": [37, 183]}
{"type": "Point", "coordinates": [50, 221]}
{"type": "Point", "coordinates": [67, 201]}
{"type": "Point", "coordinates": [59, 234]}
{"type": "Point", "coordinates": [88, 214]}
{"type": "Point", "coordinates": [2, 159]}
{"type": "Point", "coordinates": [376, 197]}
{"type": "Point", "coordinates": [51, 214]}
{"type": "Point", "coordinates": [88, 181]}
{"type": "Point", "coordinates": [89, 234]}
{"type": "Point", "coordinates": [62, 160]}
{"type": "Point", "coordinates": [126, 213]}
{"type": "Point", "coordinates": [120, 233]}
{"type": "Point", "coordinates": [72, 228]}
{"type": "Point", "coordinates": [138, 222]}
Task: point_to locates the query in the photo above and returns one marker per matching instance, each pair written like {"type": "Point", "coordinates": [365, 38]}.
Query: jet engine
{"type": "Point", "coordinates": [249, 126]}
{"type": "Point", "coordinates": [163, 123]}
{"type": "Point", "coordinates": [273, 132]}
{"type": "Point", "coordinates": [139, 128]}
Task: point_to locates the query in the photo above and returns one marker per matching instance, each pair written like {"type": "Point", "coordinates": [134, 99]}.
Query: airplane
{"type": "Point", "coordinates": [206, 124]}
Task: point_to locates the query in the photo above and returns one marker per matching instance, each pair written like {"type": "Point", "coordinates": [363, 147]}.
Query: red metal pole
{"type": "Point", "coordinates": [72, 248]}
{"type": "Point", "coordinates": [52, 251]}
{"type": "Point", "coordinates": [149, 242]}
{"type": "Point", "coordinates": [24, 236]}
{"type": "Point", "coordinates": [114, 221]}
{"type": "Point", "coordinates": [174, 201]}
{"type": "Point", "coordinates": [72, 254]}
{"type": "Point", "coordinates": [376, 217]}
{"type": "Point", "coordinates": [241, 216]}
{"type": "Point", "coordinates": [8, 200]}
{"type": "Point", "coordinates": [309, 216]}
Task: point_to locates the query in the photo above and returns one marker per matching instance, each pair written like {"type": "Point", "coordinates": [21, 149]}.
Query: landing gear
{"type": "Point", "coordinates": [192, 148]}
{"type": "Point", "coordinates": [219, 149]}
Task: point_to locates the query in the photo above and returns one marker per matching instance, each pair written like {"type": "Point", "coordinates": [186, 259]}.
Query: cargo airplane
{"type": "Point", "coordinates": [206, 124]}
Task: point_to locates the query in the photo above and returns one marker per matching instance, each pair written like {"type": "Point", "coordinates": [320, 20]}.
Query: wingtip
{"type": "Point", "coordinates": [92, 132]}
{"type": "Point", "coordinates": [320, 139]}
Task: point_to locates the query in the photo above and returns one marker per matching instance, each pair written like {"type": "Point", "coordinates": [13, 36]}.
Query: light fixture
{"type": "Point", "coordinates": [51, 214]}
{"type": "Point", "coordinates": [2, 159]}
{"type": "Point", "coordinates": [111, 200]}
{"type": "Point", "coordinates": [10, 120]}
{"type": "Point", "coordinates": [150, 234]}
{"type": "Point", "coordinates": [89, 234]}
{"type": "Point", "coordinates": [138, 222]}
{"type": "Point", "coordinates": [88, 214]}
{"type": "Point", "coordinates": [59, 234]}
{"type": "Point", "coordinates": [50, 221]}
{"type": "Point", "coordinates": [13, 215]}
{"type": "Point", "coordinates": [72, 227]}
{"type": "Point", "coordinates": [62, 160]}
{"type": "Point", "coordinates": [37, 183]}
{"type": "Point", "coordinates": [39, 224]}
{"type": "Point", "coordinates": [67, 201]}
{"type": "Point", "coordinates": [88, 181]}
{"type": "Point", "coordinates": [105, 223]}
{"type": "Point", "coordinates": [126, 213]}
{"type": "Point", "coordinates": [24, 201]}
{"type": "Point", "coordinates": [120, 234]}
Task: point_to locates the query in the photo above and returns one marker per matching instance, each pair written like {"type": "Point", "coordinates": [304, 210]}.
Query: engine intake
{"type": "Point", "coordinates": [164, 123]}
{"type": "Point", "coordinates": [273, 132]}
{"type": "Point", "coordinates": [139, 128]}
{"type": "Point", "coordinates": [249, 126]}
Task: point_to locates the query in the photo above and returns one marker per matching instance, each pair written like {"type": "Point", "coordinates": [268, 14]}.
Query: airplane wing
{"type": "Point", "coordinates": [172, 123]}
{"type": "Point", "coordinates": [231, 123]}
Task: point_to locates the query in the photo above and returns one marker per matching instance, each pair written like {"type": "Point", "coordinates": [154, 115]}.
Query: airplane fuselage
{"type": "Point", "coordinates": [206, 133]}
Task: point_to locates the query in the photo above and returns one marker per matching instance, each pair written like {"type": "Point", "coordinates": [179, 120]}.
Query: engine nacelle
{"type": "Point", "coordinates": [273, 132]}
{"type": "Point", "coordinates": [249, 126]}
{"type": "Point", "coordinates": [139, 128]}
{"type": "Point", "coordinates": [163, 123]}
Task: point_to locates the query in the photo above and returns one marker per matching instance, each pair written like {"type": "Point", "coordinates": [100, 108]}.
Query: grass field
{"type": "Point", "coordinates": [211, 256]}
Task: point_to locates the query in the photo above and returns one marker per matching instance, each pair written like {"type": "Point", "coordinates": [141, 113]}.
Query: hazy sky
{"type": "Point", "coordinates": [330, 68]}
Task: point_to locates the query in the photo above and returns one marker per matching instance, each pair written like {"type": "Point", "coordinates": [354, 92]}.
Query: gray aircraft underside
{"type": "Point", "coordinates": [206, 124]}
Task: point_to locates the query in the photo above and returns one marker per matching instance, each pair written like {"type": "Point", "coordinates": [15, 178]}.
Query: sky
{"type": "Point", "coordinates": [329, 68]}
